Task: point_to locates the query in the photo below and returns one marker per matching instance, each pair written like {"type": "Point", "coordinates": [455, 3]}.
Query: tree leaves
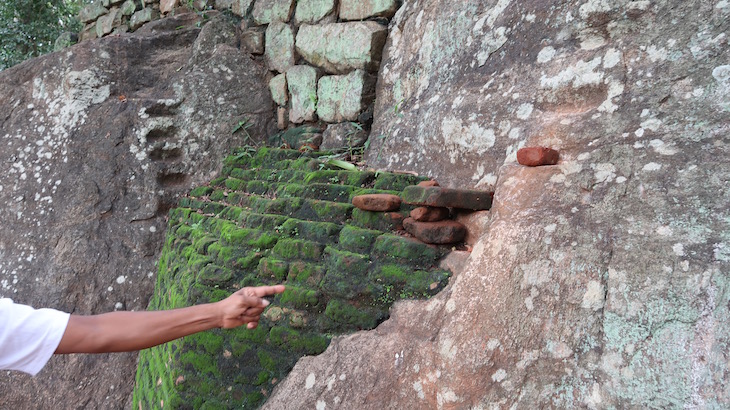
{"type": "Point", "coordinates": [29, 28]}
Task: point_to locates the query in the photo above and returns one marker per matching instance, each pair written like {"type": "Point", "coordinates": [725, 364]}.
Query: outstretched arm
{"type": "Point", "coordinates": [129, 331]}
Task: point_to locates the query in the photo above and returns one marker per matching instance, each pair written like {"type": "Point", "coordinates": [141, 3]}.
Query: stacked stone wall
{"type": "Point", "coordinates": [323, 55]}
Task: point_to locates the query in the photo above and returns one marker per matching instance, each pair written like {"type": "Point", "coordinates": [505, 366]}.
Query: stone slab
{"type": "Point", "coordinates": [339, 48]}
{"type": "Point", "coordinates": [448, 197]}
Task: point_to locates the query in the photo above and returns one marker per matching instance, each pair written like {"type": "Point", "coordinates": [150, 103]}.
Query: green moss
{"type": "Point", "coordinates": [201, 245]}
{"type": "Point", "coordinates": [300, 298]}
{"type": "Point", "coordinates": [213, 275]}
{"type": "Point", "coordinates": [346, 314]}
{"type": "Point", "coordinates": [327, 192]}
{"type": "Point", "coordinates": [201, 363]}
{"type": "Point", "coordinates": [326, 211]}
{"type": "Point", "coordinates": [303, 272]}
{"type": "Point", "coordinates": [218, 181]}
{"type": "Point", "coordinates": [257, 187]}
{"type": "Point", "coordinates": [405, 250]}
{"type": "Point", "coordinates": [270, 268]}
{"type": "Point", "coordinates": [290, 190]}
{"type": "Point", "coordinates": [381, 221]}
{"type": "Point", "coordinates": [322, 232]}
{"type": "Point", "coordinates": [357, 239]}
{"type": "Point", "coordinates": [396, 182]}
{"type": "Point", "coordinates": [218, 195]}
{"type": "Point", "coordinates": [355, 264]}
{"type": "Point", "coordinates": [249, 261]}
{"type": "Point", "coordinates": [265, 222]}
{"type": "Point", "coordinates": [266, 361]}
{"type": "Point", "coordinates": [298, 249]}
{"type": "Point", "coordinates": [201, 191]}
{"type": "Point", "coordinates": [233, 235]}
{"type": "Point", "coordinates": [309, 344]}
{"type": "Point", "coordinates": [183, 231]}
{"type": "Point", "coordinates": [235, 184]}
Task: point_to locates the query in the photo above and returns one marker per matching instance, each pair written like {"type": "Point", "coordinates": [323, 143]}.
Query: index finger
{"type": "Point", "coordinates": [261, 291]}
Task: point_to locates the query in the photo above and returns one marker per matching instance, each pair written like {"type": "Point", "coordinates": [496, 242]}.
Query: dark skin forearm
{"type": "Point", "coordinates": [129, 331]}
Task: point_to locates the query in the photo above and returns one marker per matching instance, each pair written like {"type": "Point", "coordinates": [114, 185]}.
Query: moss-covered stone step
{"type": "Point", "coordinates": [278, 216]}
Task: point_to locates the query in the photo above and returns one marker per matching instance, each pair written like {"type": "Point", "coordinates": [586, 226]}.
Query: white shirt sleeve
{"type": "Point", "coordinates": [28, 337]}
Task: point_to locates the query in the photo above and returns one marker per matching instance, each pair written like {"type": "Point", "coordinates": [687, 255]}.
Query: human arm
{"type": "Point", "coordinates": [129, 331]}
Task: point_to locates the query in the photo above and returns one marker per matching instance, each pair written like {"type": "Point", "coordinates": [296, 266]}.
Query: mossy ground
{"type": "Point", "coordinates": [276, 216]}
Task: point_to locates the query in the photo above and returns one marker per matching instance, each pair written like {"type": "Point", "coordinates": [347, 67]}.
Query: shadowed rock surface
{"type": "Point", "coordinates": [99, 141]}
{"type": "Point", "coordinates": [600, 282]}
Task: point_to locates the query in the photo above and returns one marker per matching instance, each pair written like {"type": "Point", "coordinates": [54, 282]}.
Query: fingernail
{"type": "Point", "coordinates": [266, 302]}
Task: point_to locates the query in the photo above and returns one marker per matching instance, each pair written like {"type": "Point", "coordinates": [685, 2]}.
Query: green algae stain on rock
{"type": "Point", "coordinates": [275, 218]}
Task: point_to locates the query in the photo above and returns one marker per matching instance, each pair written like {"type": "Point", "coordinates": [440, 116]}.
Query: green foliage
{"type": "Point", "coordinates": [29, 28]}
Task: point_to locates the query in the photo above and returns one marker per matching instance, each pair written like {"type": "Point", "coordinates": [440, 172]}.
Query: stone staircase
{"type": "Point", "coordinates": [281, 216]}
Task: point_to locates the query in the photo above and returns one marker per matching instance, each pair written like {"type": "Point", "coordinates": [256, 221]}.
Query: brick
{"type": "Point", "coordinates": [429, 214]}
{"type": "Point", "coordinates": [448, 197]}
{"type": "Point", "coordinates": [442, 232]}
{"type": "Point", "coordinates": [537, 156]}
{"type": "Point", "coordinates": [377, 202]}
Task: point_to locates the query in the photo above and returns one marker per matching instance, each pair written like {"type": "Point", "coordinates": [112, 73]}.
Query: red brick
{"type": "Point", "coordinates": [441, 232]}
{"type": "Point", "coordinates": [537, 156]}
{"type": "Point", "coordinates": [377, 202]}
{"type": "Point", "coordinates": [428, 183]}
{"type": "Point", "coordinates": [429, 214]}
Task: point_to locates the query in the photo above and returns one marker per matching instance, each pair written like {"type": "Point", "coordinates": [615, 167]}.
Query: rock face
{"type": "Point", "coordinates": [99, 141]}
{"type": "Point", "coordinates": [601, 282]}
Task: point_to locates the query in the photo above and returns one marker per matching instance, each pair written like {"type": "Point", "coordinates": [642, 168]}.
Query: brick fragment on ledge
{"type": "Point", "coordinates": [438, 233]}
{"type": "Point", "coordinates": [377, 202]}
{"type": "Point", "coordinates": [429, 214]}
{"type": "Point", "coordinates": [428, 183]}
{"type": "Point", "coordinates": [537, 156]}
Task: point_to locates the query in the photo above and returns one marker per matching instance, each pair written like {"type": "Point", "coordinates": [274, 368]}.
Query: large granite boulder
{"type": "Point", "coordinates": [600, 282]}
{"type": "Point", "coordinates": [99, 141]}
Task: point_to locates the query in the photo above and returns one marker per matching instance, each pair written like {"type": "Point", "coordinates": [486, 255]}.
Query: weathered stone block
{"type": "Point", "coordinates": [278, 88]}
{"type": "Point", "coordinates": [242, 7]}
{"type": "Point", "coordinates": [429, 214]}
{"type": "Point", "coordinates": [224, 4]}
{"type": "Point", "coordinates": [377, 202]}
{"type": "Point", "coordinates": [357, 239]}
{"type": "Point", "coordinates": [166, 6]}
{"type": "Point", "coordinates": [441, 232]}
{"type": "Point", "coordinates": [128, 8]}
{"type": "Point", "coordinates": [537, 156]}
{"type": "Point", "coordinates": [282, 118]}
{"type": "Point", "coordinates": [363, 9]}
{"type": "Point", "coordinates": [269, 11]}
{"type": "Point", "coordinates": [394, 248]}
{"type": "Point", "coordinates": [106, 23]}
{"type": "Point", "coordinates": [279, 47]}
{"type": "Point", "coordinates": [341, 47]}
{"type": "Point", "coordinates": [343, 97]}
{"type": "Point", "coordinates": [312, 11]}
{"type": "Point", "coordinates": [343, 136]}
{"type": "Point", "coordinates": [381, 221]}
{"type": "Point", "coordinates": [92, 11]}
{"type": "Point", "coordinates": [302, 84]}
{"type": "Point", "coordinates": [88, 32]}
{"type": "Point", "coordinates": [253, 40]}
{"type": "Point", "coordinates": [142, 16]}
{"type": "Point", "coordinates": [447, 197]}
